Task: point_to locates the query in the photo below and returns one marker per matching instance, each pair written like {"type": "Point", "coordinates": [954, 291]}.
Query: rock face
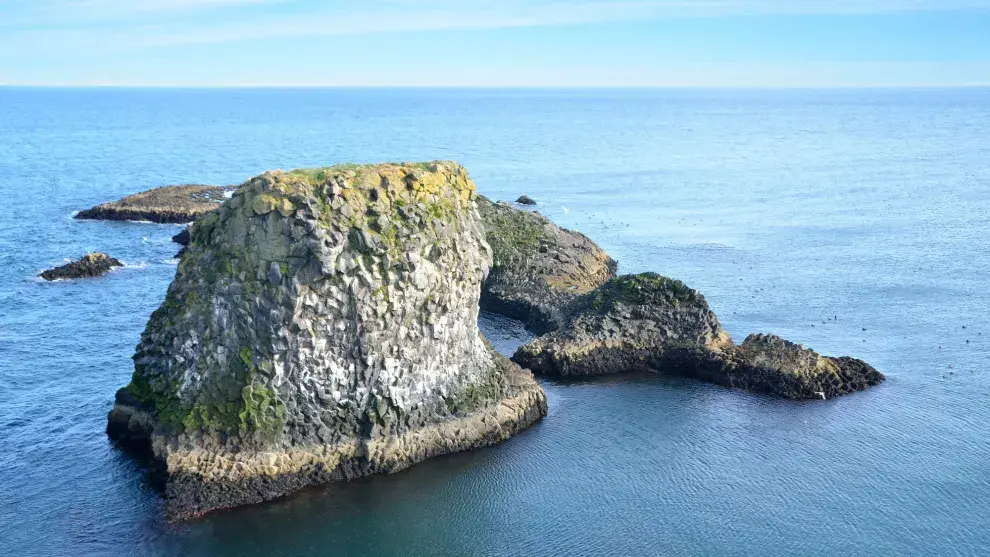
{"type": "Point", "coordinates": [648, 322]}
{"type": "Point", "coordinates": [539, 269]}
{"type": "Point", "coordinates": [90, 265]}
{"type": "Point", "coordinates": [322, 326]}
{"type": "Point", "coordinates": [167, 204]}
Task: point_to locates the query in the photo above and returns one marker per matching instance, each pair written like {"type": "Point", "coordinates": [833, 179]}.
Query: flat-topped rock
{"type": "Point", "coordinates": [648, 322]}
{"type": "Point", "coordinates": [88, 266]}
{"type": "Point", "coordinates": [539, 268]}
{"type": "Point", "coordinates": [166, 204]}
{"type": "Point", "coordinates": [322, 326]}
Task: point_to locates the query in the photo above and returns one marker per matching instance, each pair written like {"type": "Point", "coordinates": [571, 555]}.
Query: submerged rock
{"type": "Point", "coordinates": [525, 200]}
{"type": "Point", "coordinates": [322, 326]}
{"type": "Point", "coordinates": [167, 204]}
{"type": "Point", "coordinates": [539, 269]}
{"type": "Point", "coordinates": [648, 322]}
{"type": "Point", "coordinates": [90, 265]}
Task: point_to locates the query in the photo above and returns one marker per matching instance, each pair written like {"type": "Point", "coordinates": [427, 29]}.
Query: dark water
{"type": "Point", "coordinates": [786, 208]}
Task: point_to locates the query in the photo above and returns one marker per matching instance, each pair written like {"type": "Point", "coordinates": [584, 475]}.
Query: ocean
{"type": "Point", "coordinates": [852, 221]}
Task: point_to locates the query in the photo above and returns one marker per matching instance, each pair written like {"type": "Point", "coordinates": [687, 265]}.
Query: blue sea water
{"type": "Point", "coordinates": [853, 221]}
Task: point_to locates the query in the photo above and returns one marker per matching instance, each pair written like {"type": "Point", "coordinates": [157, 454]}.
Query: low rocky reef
{"type": "Point", "coordinates": [90, 265]}
{"type": "Point", "coordinates": [648, 322]}
{"type": "Point", "coordinates": [322, 326]}
{"type": "Point", "coordinates": [539, 269]}
{"type": "Point", "coordinates": [167, 204]}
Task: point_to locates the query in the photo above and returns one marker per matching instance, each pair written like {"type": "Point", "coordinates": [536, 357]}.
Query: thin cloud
{"type": "Point", "coordinates": [233, 22]}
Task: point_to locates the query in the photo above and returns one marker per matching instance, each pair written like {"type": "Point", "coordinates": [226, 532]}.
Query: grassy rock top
{"type": "Point", "coordinates": [645, 289]}
{"type": "Point", "coordinates": [89, 265]}
{"type": "Point", "coordinates": [166, 204]}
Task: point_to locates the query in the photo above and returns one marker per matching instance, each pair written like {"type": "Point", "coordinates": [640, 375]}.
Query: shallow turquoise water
{"type": "Point", "coordinates": [785, 208]}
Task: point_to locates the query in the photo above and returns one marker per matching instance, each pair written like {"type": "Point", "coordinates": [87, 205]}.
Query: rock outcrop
{"type": "Point", "coordinates": [525, 200]}
{"type": "Point", "coordinates": [322, 326]}
{"type": "Point", "coordinates": [90, 265]}
{"type": "Point", "coordinates": [182, 237]}
{"type": "Point", "coordinates": [167, 204]}
{"type": "Point", "coordinates": [648, 322]}
{"type": "Point", "coordinates": [539, 269]}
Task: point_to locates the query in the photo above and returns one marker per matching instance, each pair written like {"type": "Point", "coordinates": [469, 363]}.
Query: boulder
{"type": "Point", "coordinates": [90, 265]}
{"type": "Point", "coordinates": [539, 269]}
{"type": "Point", "coordinates": [322, 326]}
{"type": "Point", "coordinates": [166, 204]}
{"type": "Point", "coordinates": [648, 322]}
{"type": "Point", "coordinates": [525, 200]}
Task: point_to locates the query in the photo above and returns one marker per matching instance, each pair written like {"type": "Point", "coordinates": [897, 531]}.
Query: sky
{"type": "Point", "coordinates": [555, 43]}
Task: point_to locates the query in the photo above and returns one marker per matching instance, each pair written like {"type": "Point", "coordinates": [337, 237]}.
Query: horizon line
{"type": "Point", "coordinates": [509, 86]}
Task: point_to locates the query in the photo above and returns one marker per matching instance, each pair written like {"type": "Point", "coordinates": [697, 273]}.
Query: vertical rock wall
{"type": "Point", "coordinates": [322, 326]}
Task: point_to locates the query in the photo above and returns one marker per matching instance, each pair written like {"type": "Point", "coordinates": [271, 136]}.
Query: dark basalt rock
{"type": "Point", "coordinates": [167, 204]}
{"type": "Point", "coordinates": [539, 269]}
{"type": "Point", "coordinates": [89, 265]}
{"type": "Point", "coordinates": [651, 323]}
{"type": "Point", "coordinates": [322, 325]}
{"type": "Point", "coordinates": [525, 200]}
{"type": "Point", "coordinates": [182, 238]}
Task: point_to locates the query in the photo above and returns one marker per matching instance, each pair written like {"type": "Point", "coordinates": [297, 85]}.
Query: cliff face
{"type": "Point", "coordinates": [539, 268]}
{"type": "Point", "coordinates": [648, 322]}
{"type": "Point", "coordinates": [322, 325]}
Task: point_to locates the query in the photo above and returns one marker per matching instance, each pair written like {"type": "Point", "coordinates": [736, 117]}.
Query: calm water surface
{"type": "Point", "coordinates": [786, 208]}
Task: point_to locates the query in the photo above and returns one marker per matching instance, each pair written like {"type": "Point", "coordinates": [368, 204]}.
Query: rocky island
{"type": "Point", "coordinates": [90, 265]}
{"type": "Point", "coordinates": [648, 322]}
{"type": "Point", "coordinates": [167, 204]}
{"type": "Point", "coordinates": [539, 269]}
{"type": "Point", "coordinates": [322, 326]}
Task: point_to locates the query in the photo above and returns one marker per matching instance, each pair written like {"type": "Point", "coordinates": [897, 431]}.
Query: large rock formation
{"type": "Point", "coordinates": [322, 326]}
{"type": "Point", "coordinates": [539, 268]}
{"type": "Point", "coordinates": [90, 265]}
{"type": "Point", "coordinates": [648, 322]}
{"type": "Point", "coordinates": [167, 204]}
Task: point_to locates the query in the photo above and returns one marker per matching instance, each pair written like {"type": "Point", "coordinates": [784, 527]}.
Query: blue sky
{"type": "Point", "coordinates": [710, 43]}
